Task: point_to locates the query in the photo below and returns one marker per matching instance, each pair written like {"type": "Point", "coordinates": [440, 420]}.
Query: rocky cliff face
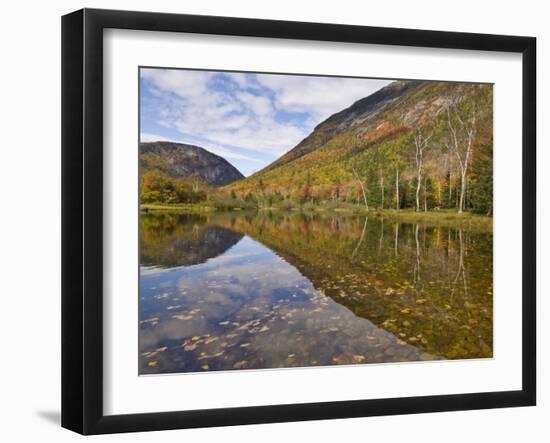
{"type": "Point", "coordinates": [182, 161]}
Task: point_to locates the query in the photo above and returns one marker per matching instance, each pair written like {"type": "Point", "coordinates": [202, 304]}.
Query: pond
{"type": "Point", "coordinates": [225, 291]}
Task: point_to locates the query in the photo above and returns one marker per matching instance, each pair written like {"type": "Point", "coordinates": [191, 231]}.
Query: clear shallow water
{"type": "Point", "coordinates": [244, 291]}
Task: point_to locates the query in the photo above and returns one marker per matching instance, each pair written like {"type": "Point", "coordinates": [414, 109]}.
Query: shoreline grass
{"type": "Point", "coordinates": [183, 207]}
{"type": "Point", "coordinates": [442, 217]}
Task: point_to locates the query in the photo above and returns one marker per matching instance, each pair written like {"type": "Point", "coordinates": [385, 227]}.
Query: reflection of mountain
{"type": "Point", "coordinates": [410, 283]}
{"type": "Point", "coordinates": [169, 240]}
{"type": "Point", "coordinates": [250, 309]}
{"type": "Point", "coordinates": [429, 286]}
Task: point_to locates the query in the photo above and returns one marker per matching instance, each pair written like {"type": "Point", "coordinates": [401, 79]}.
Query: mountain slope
{"type": "Point", "coordinates": [178, 160]}
{"type": "Point", "coordinates": [374, 136]}
{"type": "Point", "coordinates": [360, 112]}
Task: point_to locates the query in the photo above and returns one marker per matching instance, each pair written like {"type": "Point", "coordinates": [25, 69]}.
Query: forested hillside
{"type": "Point", "coordinates": [180, 173]}
{"type": "Point", "coordinates": [413, 144]}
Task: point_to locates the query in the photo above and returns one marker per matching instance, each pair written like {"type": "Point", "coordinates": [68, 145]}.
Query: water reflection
{"type": "Point", "coordinates": [169, 241]}
{"type": "Point", "coordinates": [228, 291]}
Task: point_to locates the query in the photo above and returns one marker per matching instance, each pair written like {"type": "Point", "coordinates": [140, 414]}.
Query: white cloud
{"type": "Point", "coordinates": [243, 80]}
{"type": "Point", "coordinates": [259, 105]}
{"type": "Point", "coordinates": [183, 83]}
{"type": "Point", "coordinates": [263, 135]}
{"type": "Point", "coordinates": [319, 96]}
{"type": "Point", "coordinates": [239, 119]}
{"type": "Point", "coordinates": [205, 105]}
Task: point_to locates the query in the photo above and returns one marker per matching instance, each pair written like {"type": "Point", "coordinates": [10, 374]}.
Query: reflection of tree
{"type": "Point", "coordinates": [461, 272]}
{"type": "Point", "coordinates": [381, 243]}
{"type": "Point", "coordinates": [416, 268]}
{"type": "Point", "coordinates": [396, 238]}
{"type": "Point", "coordinates": [374, 285]}
{"type": "Point", "coordinates": [361, 238]}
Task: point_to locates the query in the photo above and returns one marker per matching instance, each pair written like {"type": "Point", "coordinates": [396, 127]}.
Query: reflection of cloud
{"type": "Point", "coordinates": [251, 297]}
{"type": "Point", "coordinates": [171, 329]}
{"type": "Point", "coordinates": [249, 282]}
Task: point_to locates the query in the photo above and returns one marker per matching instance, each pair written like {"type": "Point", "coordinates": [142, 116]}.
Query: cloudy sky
{"type": "Point", "coordinates": [249, 119]}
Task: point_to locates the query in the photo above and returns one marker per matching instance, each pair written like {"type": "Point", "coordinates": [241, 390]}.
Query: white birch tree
{"type": "Point", "coordinates": [421, 145]}
{"type": "Point", "coordinates": [462, 129]}
{"type": "Point", "coordinates": [362, 187]}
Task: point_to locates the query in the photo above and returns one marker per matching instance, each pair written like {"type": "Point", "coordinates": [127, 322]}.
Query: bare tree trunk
{"type": "Point", "coordinates": [418, 181]}
{"type": "Point", "coordinates": [397, 188]}
{"type": "Point", "coordinates": [466, 137]}
{"type": "Point", "coordinates": [362, 187]}
{"type": "Point", "coordinates": [425, 195]}
{"type": "Point", "coordinates": [462, 191]}
{"type": "Point", "coordinates": [439, 196]}
{"type": "Point", "coordinates": [421, 143]}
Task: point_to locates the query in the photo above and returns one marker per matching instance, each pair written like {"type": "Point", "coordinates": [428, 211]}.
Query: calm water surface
{"type": "Point", "coordinates": [243, 291]}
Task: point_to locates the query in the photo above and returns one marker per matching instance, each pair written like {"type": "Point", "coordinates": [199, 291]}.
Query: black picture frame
{"type": "Point", "coordinates": [82, 218]}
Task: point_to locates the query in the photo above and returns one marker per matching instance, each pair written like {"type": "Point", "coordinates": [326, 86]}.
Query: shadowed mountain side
{"type": "Point", "coordinates": [179, 160]}
{"type": "Point", "coordinates": [167, 243]}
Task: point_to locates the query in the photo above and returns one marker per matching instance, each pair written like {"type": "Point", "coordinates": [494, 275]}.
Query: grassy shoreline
{"type": "Point", "coordinates": [443, 217]}
{"type": "Point", "coordinates": [183, 207]}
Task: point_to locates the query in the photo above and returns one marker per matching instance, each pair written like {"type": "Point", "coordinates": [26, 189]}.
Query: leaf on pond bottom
{"type": "Point", "coordinates": [182, 317]}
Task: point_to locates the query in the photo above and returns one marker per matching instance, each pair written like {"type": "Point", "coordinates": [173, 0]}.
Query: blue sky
{"type": "Point", "coordinates": [249, 119]}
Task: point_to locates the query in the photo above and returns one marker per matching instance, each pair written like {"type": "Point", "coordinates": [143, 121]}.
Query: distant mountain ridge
{"type": "Point", "coordinates": [179, 160]}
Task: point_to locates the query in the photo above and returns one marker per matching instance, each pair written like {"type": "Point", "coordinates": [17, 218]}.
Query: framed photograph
{"type": "Point", "coordinates": [269, 221]}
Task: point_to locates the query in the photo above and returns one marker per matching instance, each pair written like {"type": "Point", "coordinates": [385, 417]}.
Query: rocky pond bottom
{"type": "Point", "coordinates": [252, 291]}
